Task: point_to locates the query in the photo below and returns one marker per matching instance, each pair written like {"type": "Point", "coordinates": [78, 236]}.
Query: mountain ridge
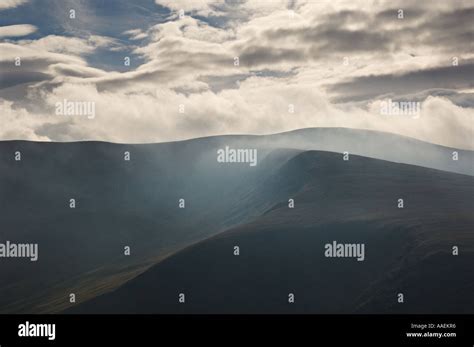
{"type": "Point", "coordinates": [373, 219]}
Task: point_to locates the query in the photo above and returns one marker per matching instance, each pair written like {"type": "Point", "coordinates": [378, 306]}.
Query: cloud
{"type": "Point", "coordinates": [69, 45]}
{"type": "Point", "coordinates": [201, 7]}
{"type": "Point", "coordinates": [368, 87]}
{"type": "Point", "coordinates": [19, 123]}
{"type": "Point", "coordinates": [135, 34]}
{"type": "Point", "coordinates": [332, 64]}
{"type": "Point", "coordinates": [6, 4]}
{"type": "Point", "coordinates": [258, 106]}
{"type": "Point", "coordinates": [17, 30]}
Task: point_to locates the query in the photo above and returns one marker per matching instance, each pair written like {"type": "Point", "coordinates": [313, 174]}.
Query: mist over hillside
{"type": "Point", "coordinates": [136, 203]}
{"type": "Point", "coordinates": [407, 250]}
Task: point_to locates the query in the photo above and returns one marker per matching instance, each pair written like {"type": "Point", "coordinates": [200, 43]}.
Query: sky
{"type": "Point", "coordinates": [201, 68]}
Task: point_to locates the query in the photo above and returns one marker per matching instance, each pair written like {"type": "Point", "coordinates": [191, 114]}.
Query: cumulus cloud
{"type": "Point", "coordinates": [257, 107]}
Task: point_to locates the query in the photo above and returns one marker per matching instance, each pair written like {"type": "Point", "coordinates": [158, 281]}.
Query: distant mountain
{"type": "Point", "coordinates": [407, 250]}
{"type": "Point", "coordinates": [135, 203]}
{"type": "Point", "coordinates": [367, 143]}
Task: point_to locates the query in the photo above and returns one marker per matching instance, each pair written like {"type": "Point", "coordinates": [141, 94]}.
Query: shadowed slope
{"type": "Point", "coordinates": [406, 250]}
